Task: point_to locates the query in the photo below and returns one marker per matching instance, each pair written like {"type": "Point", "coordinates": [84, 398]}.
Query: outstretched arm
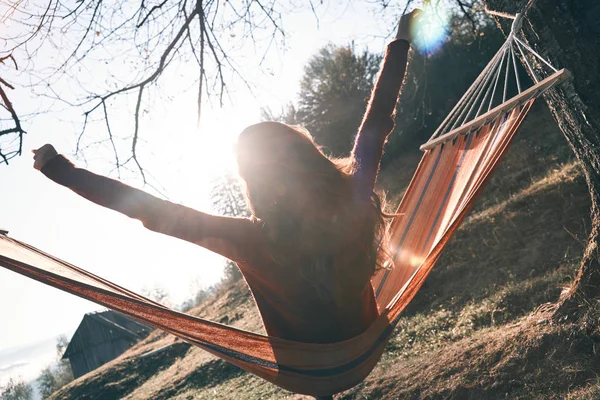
{"type": "Point", "coordinates": [224, 235]}
{"type": "Point", "coordinates": [378, 120]}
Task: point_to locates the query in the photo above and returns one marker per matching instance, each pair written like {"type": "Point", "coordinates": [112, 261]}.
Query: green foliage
{"type": "Point", "coordinates": [16, 389]}
{"type": "Point", "coordinates": [333, 90]}
{"type": "Point", "coordinates": [54, 377]}
{"type": "Point", "coordinates": [62, 342]}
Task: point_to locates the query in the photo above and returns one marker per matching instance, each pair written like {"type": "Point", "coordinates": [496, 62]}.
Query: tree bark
{"type": "Point", "coordinates": [567, 33]}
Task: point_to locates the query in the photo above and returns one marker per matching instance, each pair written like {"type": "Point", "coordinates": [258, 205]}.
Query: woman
{"type": "Point", "coordinates": [317, 231]}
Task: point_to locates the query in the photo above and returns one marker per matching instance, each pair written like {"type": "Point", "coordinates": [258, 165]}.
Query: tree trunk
{"type": "Point", "coordinates": [567, 33]}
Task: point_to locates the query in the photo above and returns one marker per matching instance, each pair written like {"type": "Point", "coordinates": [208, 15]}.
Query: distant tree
{"type": "Point", "coordinates": [199, 297]}
{"type": "Point", "coordinates": [53, 378]}
{"type": "Point", "coordinates": [336, 83]}
{"type": "Point", "coordinates": [57, 375]}
{"type": "Point", "coordinates": [228, 199]}
{"type": "Point", "coordinates": [16, 389]}
{"type": "Point", "coordinates": [199, 294]}
{"type": "Point", "coordinates": [288, 114]}
{"type": "Point", "coordinates": [158, 294]}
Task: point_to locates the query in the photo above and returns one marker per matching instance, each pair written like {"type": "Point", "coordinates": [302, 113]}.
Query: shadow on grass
{"type": "Point", "coordinates": [122, 378]}
{"type": "Point", "coordinates": [207, 375]}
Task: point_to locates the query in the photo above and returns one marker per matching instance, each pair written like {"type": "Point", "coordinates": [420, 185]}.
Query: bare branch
{"type": "Point", "coordinates": [314, 11]}
{"type": "Point", "coordinates": [81, 2]}
{"type": "Point", "coordinates": [112, 142]}
{"type": "Point", "coordinates": [7, 104]}
{"type": "Point", "coordinates": [86, 36]}
{"type": "Point", "coordinates": [136, 133]}
{"type": "Point", "coordinates": [408, 3]}
{"type": "Point", "coordinates": [463, 7]}
{"type": "Point", "coordinates": [156, 7]}
{"type": "Point", "coordinates": [216, 58]}
{"type": "Point", "coordinates": [157, 72]}
{"type": "Point", "coordinates": [202, 71]}
{"type": "Point", "coordinates": [80, 137]}
{"type": "Point", "coordinates": [9, 57]}
{"type": "Point", "coordinates": [8, 85]}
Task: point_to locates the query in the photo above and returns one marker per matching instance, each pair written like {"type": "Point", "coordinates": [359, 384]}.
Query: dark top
{"type": "Point", "coordinates": [288, 303]}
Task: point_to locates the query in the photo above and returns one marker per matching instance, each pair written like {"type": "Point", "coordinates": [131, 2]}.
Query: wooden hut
{"type": "Point", "coordinates": [101, 337]}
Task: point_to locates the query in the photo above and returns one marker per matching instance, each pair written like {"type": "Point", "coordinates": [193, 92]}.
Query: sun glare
{"type": "Point", "coordinates": [432, 30]}
{"type": "Point", "coordinates": [189, 161]}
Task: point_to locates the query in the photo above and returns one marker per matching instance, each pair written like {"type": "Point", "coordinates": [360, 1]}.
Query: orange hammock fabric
{"type": "Point", "coordinates": [448, 180]}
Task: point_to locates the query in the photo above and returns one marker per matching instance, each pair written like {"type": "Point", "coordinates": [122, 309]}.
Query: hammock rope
{"type": "Point", "coordinates": [484, 88]}
{"type": "Point", "coordinates": [446, 184]}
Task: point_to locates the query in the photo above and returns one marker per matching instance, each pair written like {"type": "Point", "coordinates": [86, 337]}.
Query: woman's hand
{"type": "Point", "coordinates": [407, 22]}
{"type": "Point", "coordinates": [43, 155]}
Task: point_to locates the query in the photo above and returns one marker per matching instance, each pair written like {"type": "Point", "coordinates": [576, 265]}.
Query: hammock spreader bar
{"type": "Point", "coordinates": [463, 117]}
{"type": "Point", "coordinates": [446, 184]}
{"type": "Point", "coordinates": [531, 93]}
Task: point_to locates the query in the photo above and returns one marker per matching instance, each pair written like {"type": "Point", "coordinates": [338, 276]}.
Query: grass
{"type": "Point", "coordinates": [480, 326]}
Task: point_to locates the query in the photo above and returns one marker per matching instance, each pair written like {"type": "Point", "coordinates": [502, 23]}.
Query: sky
{"type": "Point", "coordinates": [50, 217]}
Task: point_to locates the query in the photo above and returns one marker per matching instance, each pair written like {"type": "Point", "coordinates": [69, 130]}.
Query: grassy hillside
{"type": "Point", "coordinates": [480, 326]}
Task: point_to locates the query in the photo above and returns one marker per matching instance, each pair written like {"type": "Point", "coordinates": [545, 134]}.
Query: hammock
{"type": "Point", "coordinates": [458, 160]}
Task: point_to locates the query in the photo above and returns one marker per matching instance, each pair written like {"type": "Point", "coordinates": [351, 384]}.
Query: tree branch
{"type": "Point", "coordinates": [463, 8]}
{"type": "Point", "coordinates": [156, 7]}
{"type": "Point", "coordinates": [7, 104]}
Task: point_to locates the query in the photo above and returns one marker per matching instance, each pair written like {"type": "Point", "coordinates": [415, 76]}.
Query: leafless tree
{"type": "Point", "coordinates": [77, 44]}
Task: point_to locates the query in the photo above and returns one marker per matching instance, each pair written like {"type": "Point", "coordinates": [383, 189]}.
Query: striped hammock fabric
{"type": "Point", "coordinates": [444, 187]}
{"type": "Point", "coordinates": [458, 161]}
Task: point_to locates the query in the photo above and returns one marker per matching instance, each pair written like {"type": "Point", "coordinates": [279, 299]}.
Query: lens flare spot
{"type": "Point", "coordinates": [407, 257]}
{"type": "Point", "coordinates": [431, 30]}
{"type": "Point", "coordinates": [416, 261]}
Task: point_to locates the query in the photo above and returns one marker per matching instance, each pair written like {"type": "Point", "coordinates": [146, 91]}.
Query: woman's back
{"type": "Point", "coordinates": [293, 307]}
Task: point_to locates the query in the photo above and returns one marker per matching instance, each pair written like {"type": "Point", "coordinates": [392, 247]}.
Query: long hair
{"type": "Point", "coordinates": [313, 214]}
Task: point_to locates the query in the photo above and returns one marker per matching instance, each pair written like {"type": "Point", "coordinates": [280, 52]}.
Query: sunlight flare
{"type": "Point", "coordinates": [432, 28]}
